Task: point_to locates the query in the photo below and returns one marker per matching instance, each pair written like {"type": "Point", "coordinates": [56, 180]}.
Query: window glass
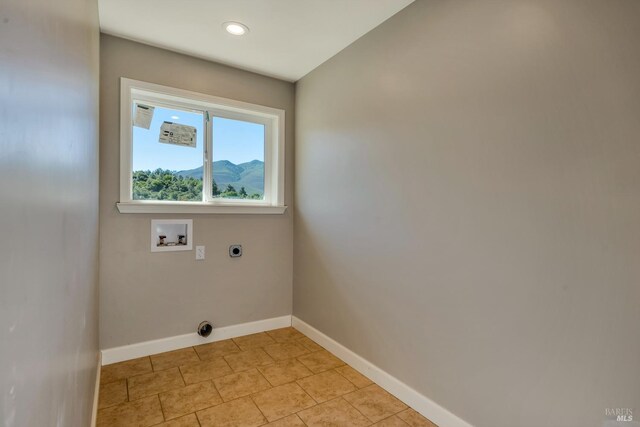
{"type": "Point", "coordinates": [214, 154]}
{"type": "Point", "coordinates": [238, 159]}
{"type": "Point", "coordinates": [167, 158]}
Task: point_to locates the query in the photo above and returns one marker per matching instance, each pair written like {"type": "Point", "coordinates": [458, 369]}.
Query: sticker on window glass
{"type": "Point", "coordinates": [176, 134]}
{"type": "Point", "coordinates": [143, 116]}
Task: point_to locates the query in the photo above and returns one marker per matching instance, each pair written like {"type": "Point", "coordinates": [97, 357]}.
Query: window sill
{"type": "Point", "coordinates": [197, 208]}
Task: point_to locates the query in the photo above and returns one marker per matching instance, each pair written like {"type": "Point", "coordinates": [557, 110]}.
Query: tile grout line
{"type": "Point", "coordinates": [271, 388]}
{"type": "Point", "coordinates": [301, 420]}
{"type": "Point", "coordinates": [195, 412]}
{"type": "Point", "coordinates": [126, 383]}
{"type": "Point", "coordinates": [331, 400]}
{"type": "Point", "coordinates": [250, 396]}
{"type": "Point", "coordinates": [354, 407]}
{"type": "Point", "coordinates": [197, 354]}
{"type": "Point", "coordinates": [343, 376]}
{"type": "Point", "coordinates": [258, 408]}
{"type": "Point", "coordinates": [264, 415]}
{"type": "Point", "coordinates": [290, 382]}
{"type": "Point", "coordinates": [164, 418]}
{"type": "Point", "coordinates": [180, 370]}
{"type": "Point", "coordinates": [396, 415]}
{"type": "Point", "coordinates": [225, 360]}
{"type": "Point", "coordinates": [374, 422]}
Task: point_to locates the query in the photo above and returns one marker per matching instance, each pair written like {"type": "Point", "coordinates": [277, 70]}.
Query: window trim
{"type": "Point", "coordinates": [272, 118]}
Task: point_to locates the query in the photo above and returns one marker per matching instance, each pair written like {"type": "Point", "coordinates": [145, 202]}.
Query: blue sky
{"type": "Point", "coordinates": [234, 140]}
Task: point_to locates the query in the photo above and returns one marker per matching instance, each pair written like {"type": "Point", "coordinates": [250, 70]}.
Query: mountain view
{"type": "Point", "coordinates": [249, 175]}
{"type": "Point", "coordinates": [243, 181]}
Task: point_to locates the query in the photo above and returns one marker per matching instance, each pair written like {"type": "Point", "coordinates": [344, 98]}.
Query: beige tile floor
{"type": "Point", "coordinates": [277, 378]}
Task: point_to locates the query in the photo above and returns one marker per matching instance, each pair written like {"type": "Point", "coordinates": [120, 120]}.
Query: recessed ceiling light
{"type": "Point", "coordinates": [175, 117]}
{"type": "Point", "coordinates": [235, 28]}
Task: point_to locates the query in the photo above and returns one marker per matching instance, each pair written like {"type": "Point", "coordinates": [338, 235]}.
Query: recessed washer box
{"type": "Point", "coordinates": [169, 235]}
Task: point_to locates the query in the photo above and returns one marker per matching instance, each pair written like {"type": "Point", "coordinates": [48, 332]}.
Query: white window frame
{"type": "Point", "coordinates": [271, 118]}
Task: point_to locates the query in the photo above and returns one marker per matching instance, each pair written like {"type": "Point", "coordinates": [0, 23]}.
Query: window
{"type": "Point", "coordinates": [185, 152]}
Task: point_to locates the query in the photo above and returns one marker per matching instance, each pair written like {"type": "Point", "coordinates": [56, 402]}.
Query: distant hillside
{"type": "Point", "coordinates": [249, 175]}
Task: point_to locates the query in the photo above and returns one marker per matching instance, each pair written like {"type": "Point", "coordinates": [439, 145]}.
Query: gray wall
{"type": "Point", "coordinates": [144, 295]}
{"type": "Point", "coordinates": [48, 211]}
{"type": "Point", "coordinates": [468, 206]}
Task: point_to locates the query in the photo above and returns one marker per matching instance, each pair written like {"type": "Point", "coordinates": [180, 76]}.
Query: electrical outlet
{"type": "Point", "coordinates": [199, 252]}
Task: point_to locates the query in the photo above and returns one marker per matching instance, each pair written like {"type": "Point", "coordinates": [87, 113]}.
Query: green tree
{"type": "Point", "coordinates": [165, 185]}
{"type": "Point", "coordinates": [230, 192]}
{"type": "Point", "coordinates": [162, 184]}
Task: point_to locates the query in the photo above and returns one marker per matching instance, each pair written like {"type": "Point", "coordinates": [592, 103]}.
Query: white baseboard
{"type": "Point", "coordinates": [128, 352]}
{"type": "Point", "coordinates": [96, 393]}
{"type": "Point", "coordinates": [436, 413]}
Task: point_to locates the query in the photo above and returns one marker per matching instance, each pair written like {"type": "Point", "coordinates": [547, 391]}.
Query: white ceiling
{"type": "Point", "coordinates": [287, 38]}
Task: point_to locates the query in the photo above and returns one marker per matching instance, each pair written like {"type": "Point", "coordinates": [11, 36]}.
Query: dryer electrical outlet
{"type": "Point", "coordinates": [235, 251]}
